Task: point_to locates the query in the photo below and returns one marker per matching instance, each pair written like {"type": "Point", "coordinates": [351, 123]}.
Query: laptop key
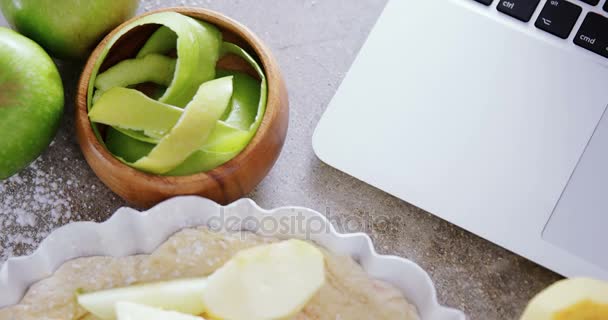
{"type": "Point", "coordinates": [558, 17]}
{"type": "Point", "coordinates": [519, 9]}
{"type": "Point", "coordinates": [593, 34]}
{"type": "Point", "coordinates": [591, 2]}
{"type": "Point", "coordinates": [486, 2]}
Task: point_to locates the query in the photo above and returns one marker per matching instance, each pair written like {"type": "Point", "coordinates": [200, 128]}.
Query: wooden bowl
{"type": "Point", "coordinates": [224, 184]}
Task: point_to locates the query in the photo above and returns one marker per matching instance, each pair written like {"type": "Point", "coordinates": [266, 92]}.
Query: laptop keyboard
{"type": "Point", "coordinates": [593, 34]}
{"type": "Point", "coordinates": [519, 9]}
{"type": "Point", "coordinates": [558, 17]}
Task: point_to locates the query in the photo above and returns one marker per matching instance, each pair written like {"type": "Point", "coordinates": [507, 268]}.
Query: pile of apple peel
{"type": "Point", "coordinates": [266, 282]}
{"type": "Point", "coordinates": [198, 117]}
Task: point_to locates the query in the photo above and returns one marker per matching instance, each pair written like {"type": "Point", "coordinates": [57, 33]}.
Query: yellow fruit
{"type": "Point", "coordinates": [571, 299]}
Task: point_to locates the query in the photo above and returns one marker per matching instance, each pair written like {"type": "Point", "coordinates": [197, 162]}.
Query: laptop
{"type": "Point", "coordinates": [490, 114]}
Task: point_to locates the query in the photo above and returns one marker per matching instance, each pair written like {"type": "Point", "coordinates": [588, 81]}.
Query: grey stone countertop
{"type": "Point", "coordinates": [315, 42]}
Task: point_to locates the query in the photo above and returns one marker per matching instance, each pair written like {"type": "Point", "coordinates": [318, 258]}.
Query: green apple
{"type": "Point", "coordinates": [31, 101]}
{"type": "Point", "coordinates": [67, 29]}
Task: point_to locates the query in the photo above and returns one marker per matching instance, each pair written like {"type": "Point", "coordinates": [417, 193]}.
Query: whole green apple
{"type": "Point", "coordinates": [31, 101]}
{"type": "Point", "coordinates": [67, 29]}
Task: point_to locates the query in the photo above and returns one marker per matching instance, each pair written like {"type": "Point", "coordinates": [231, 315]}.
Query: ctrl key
{"type": "Point", "coordinates": [593, 34]}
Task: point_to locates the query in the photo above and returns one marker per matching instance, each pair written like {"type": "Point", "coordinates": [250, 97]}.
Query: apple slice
{"type": "Point", "coordinates": [179, 295]}
{"type": "Point", "coordinates": [266, 282]}
{"type": "Point", "coordinates": [133, 311]}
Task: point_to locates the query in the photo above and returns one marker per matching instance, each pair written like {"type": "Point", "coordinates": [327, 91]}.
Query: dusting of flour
{"type": "Point", "coordinates": [56, 189]}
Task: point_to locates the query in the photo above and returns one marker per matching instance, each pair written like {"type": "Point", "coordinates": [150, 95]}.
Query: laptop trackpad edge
{"type": "Point", "coordinates": [579, 223]}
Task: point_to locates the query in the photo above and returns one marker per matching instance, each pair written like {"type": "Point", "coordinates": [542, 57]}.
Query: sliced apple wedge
{"type": "Point", "coordinates": [266, 282]}
{"type": "Point", "coordinates": [183, 296]}
{"type": "Point", "coordinates": [133, 311]}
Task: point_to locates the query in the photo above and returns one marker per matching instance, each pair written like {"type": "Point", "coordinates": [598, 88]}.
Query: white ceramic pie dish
{"type": "Point", "coordinates": [130, 232]}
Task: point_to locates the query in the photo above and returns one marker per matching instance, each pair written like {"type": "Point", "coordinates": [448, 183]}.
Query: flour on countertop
{"type": "Point", "coordinates": [48, 194]}
{"type": "Point", "coordinates": [20, 219]}
{"type": "Point", "coordinates": [42, 198]}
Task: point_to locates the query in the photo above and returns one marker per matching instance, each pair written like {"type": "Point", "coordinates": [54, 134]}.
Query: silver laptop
{"type": "Point", "coordinates": [490, 115]}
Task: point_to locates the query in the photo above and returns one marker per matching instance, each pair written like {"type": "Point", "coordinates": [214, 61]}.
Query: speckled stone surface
{"type": "Point", "coordinates": [315, 42]}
